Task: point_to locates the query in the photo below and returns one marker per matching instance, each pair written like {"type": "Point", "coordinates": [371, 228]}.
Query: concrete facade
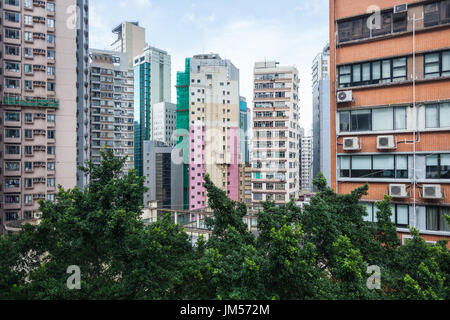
{"type": "Point", "coordinates": [130, 39]}
{"type": "Point", "coordinates": [38, 105]}
{"type": "Point", "coordinates": [111, 109]}
{"type": "Point", "coordinates": [163, 177]}
{"type": "Point", "coordinates": [321, 115]}
{"type": "Point", "coordinates": [83, 119]}
{"type": "Point", "coordinates": [152, 78]}
{"type": "Point", "coordinates": [164, 122]}
{"type": "Point", "coordinates": [275, 144]}
{"type": "Point", "coordinates": [306, 148]}
{"type": "Point", "coordinates": [213, 127]}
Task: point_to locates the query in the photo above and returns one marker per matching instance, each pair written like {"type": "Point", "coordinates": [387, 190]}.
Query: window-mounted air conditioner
{"type": "Point", "coordinates": [402, 8]}
{"type": "Point", "coordinates": [386, 142]}
{"type": "Point", "coordinates": [398, 191]}
{"type": "Point", "coordinates": [351, 144]}
{"type": "Point", "coordinates": [344, 96]}
{"type": "Point", "coordinates": [432, 191]}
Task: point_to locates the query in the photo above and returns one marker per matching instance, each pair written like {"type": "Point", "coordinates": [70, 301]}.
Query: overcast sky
{"type": "Point", "coordinates": [291, 32]}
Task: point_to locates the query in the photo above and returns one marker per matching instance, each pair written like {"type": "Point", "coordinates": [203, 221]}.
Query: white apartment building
{"type": "Point", "coordinates": [306, 163]}
{"type": "Point", "coordinates": [164, 122]}
{"type": "Point", "coordinates": [275, 147]}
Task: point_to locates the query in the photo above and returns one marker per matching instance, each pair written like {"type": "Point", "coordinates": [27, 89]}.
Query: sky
{"type": "Point", "coordinates": [292, 32]}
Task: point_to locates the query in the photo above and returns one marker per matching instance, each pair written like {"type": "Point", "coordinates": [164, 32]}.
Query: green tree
{"type": "Point", "coordinates": [98, 229]}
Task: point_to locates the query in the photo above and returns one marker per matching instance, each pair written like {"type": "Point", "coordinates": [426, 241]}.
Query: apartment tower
{"type": "Point", "coordinates": [390, 108]}
{"type": "Point", "coordinates": [151, 85]}
{"type": "Point", "coordinates": [112, 106]}
{"type": "Point", "coordinates": [164, 122]}
{"type": "Point", "coordinates": [83, 121]}
{"type": "Point", "coordinates": [38, 104]}
{"type": "Point", "coordinates": [321, 114]}
{"type": "Point", "coordinates": [130, 39]}
{"type": "Point", "coordinates": [306, 162]}
{"type": "Point", "coordinates": [208, 125]}
{"type": "Point", "coordinates": [275, 149]}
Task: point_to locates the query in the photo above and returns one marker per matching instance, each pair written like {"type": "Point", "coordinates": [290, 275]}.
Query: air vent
{"type": "Point", "coordinates": [398, 191]}
{"type": "Point", "coordinates": [344, 96]}
{"type": "Point", "coordinates": [351, 144]}
{"type": "Point", "coordinates": [432, 192]}
{"type": "Point", "coordinates": [386, 142]}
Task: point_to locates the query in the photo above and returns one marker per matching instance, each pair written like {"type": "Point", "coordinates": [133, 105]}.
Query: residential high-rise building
{"type": "Point", "coordinates": [83, 120]}
{"type": "Point", "coordinates": [38, 105]}
{"type": "Point", "coordinates": [130, 39]}
{"type": "Point", "coordinates": [164, 122]}
{"type": "Point", "coordinates": [390, 109]}
{"type": "Point", "coordinates": [275, 149]}
{"type": "Point", "coordinates": [306, 163]}
{"type": "Point", "coordinates": [321, 115]}
{"type": "Point", "coordinates": [208, 113]}
{"type": "Point", "coordinates": [111, 109]}
{"type": "Point", "coordinates": [151, 86]}
{"type": "Point", "coordinates": [245, 184]}
{"type": "Point", "coordinates": [244, 153]}
{"type": "Point", "coordinates": [163, 176]}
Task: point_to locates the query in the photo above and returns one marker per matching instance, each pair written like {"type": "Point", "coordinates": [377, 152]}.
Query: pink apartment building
{"type": "Point", "coordinates": [213, 127]}
{"type": "Point", "coordinates": [38, 107]}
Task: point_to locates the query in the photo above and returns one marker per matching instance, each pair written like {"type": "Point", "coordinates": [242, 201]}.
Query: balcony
{"type": "Point", "coordinates": [46, 103]}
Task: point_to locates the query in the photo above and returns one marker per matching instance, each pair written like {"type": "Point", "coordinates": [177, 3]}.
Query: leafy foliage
{"type": "Point", "coordinates": [320, 252]}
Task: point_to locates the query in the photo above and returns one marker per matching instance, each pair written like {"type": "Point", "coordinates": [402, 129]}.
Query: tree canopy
{"type": "Point", "coordinates": [320, 252]}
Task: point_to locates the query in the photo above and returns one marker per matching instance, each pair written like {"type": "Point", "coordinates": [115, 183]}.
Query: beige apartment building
{"type": "Point", "coordinates": [38, 105]}
{"type": "Point", "coordinates": [130, 39]}
{"type": "Point", "coordinates": [276, 133]}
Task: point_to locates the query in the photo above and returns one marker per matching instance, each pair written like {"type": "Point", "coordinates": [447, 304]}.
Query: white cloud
{"type": "Point", "coordinates": [100, 36]}
{"type": "Point", "coordinates": [250, 40]}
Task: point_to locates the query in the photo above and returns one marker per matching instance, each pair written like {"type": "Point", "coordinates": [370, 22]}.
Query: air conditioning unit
{"type": "Point", "coordinates": [386, 142]}
{"type": "Point", "coordinates": [351, 144]}
{"type": "Point", "coordinates": [344, 96]}
{"type": "Point", "coordinates": [432, 191]}
{"type": "Point", "coordinates": [398, 191]}
{"type": "Point", "coordinates": [402, 8]}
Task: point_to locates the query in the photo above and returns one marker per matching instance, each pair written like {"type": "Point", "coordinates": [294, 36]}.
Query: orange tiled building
{"type": "Point", "coordinates": [390, 108]}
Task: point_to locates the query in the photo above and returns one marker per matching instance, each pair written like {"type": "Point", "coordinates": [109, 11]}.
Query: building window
{"type": "Point", "coordinates": [379, 119]}
{"type": "Point", "coordinates": [376, 72]}
{"type": "Point", "coordinates": [435, 220]}
{"type": "Point", "coordinates": [12, 34]}
{"type": "Point", "coordinates": [257, 197]}
{"type": "Point", "coordinates": [438, 166]}
{"type": "Point", "coordinates": [437, 65]}
{"type": "Point", "coordinates": [437, 115]}
{"type": "Point", "coordinates": [12, 133]}
{"type": "Point", "coordinates": [11, 216]}
{"type": "Point", "coordinates": [12, 150]}
{"type": "Point", "coordinates": [51, 166]}
{"type": "Point", "coordinates": [11, 183]}
{"type": "Point", "coordinates": [12, 166]}
{"type": "Point", "coordinates": [12, 67]}
{"type": "Point", "coordinates": [12, 199]}
{"type": "Point", "coordinates": [357, 28]}
{"type": "Point", "coordinates": [377, 167]}
{"type": "Point", "coordinates": [28, 199]}
{"type": "Point", "coordinates": [400, 215]}
{"type": "Point", "coordinates": [12, 83]}
{"type": "Point", "coordinates": [436, 13]}
{"type": "Point", "coordinates": [28, 4]}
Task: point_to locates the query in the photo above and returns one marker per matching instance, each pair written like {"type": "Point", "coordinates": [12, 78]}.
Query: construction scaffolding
{"type": "Point", "coordinates": [183, 80]}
